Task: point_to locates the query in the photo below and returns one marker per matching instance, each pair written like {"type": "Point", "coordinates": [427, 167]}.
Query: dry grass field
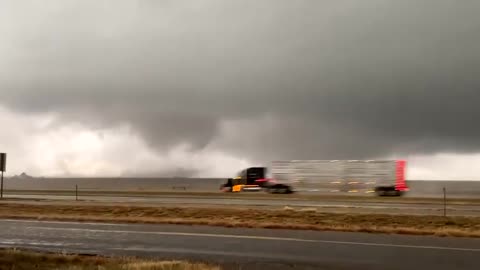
{"type": "Point", "coordinates": [26, 260]}
{"type": "Point", "coordinates": [301, 219]}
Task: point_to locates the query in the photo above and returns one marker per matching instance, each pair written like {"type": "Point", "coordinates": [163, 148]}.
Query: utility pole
{"type": "Point", "coordinates": [3, 167]}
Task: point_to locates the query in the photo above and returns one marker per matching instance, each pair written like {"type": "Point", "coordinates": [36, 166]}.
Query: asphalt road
{"type": "Point", "coordinates": [358, 206]}
{"type": "Point", "coordinates": [248, 248]}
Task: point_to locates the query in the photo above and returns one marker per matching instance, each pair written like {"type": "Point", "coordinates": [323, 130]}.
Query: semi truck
{"type": "Point", "coordinates": [381, 177]}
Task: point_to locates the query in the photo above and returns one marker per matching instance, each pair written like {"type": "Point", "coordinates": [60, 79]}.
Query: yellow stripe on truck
{"type": "Point", "coordinates": [237, 188]}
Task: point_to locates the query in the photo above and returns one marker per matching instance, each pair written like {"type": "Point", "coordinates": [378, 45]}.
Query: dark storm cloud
{"type": "Point", "coordinates": [265, 79]}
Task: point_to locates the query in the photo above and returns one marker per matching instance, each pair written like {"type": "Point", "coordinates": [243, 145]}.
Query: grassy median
{"type": "Point", "coordinates": [305, 219]}
{"type": "Point", "coordinates": [11, 259]}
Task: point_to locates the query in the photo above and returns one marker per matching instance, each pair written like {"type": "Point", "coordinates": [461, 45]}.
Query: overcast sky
{"type": "Point", "coordinates": [206, 87]}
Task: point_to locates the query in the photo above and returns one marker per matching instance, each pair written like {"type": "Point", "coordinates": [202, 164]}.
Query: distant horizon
{"type": "Point", "coordinates": [185, 177]}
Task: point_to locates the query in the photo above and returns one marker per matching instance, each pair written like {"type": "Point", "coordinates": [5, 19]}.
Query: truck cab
{"type": "Point", "coordinates": [254, 179]}
{"type": "Point", "coordinates": [245, 180]}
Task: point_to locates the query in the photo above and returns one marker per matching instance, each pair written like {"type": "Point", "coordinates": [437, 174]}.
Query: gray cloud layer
{"type": "Point", "coordinates": [262, 79]}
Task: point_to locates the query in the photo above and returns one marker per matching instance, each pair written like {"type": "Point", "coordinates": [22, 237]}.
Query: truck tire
{"type": "Point", "coordinates": [398, 193]}
{"type": "Point", "coordinates": [387, 191]}
{"type": "Point", "coordinates": [280, 189]}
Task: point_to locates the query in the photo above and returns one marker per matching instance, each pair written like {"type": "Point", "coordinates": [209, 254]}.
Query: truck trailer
{"type": "Point", "coordinates": [382, 177]}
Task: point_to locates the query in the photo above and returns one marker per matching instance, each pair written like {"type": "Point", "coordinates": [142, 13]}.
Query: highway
{"type": "Point", "coordinates": [325, 205]}
{"type": "Point", "coordinates": [248, 248]}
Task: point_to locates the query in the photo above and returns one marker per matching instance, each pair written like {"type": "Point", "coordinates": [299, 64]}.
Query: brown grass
{"type": "Point", "coordinates": [309, 219]}
{"type": "Point", "coordinates": [11, 259]}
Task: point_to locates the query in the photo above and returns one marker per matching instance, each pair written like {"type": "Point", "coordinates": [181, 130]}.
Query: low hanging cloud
{"type": "Point", "coordinates": [252, 80]}
{"type": "Point", "coordinates": [43, 146]}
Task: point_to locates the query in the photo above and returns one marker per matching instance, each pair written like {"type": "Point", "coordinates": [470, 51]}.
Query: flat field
{"type": "Point", "coordinates": [287, 218]}
{"type": "Point", "coordinates": [12, 259]}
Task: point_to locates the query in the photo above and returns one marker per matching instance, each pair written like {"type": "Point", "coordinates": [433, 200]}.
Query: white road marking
{"type": "Point", "coordinates": [399, 246]}
{"type": "Point", "coordinates": [260, 238]}
{"type": "Point", "coordinates": [177, 234]}
{"type": "Point", "coordinates": [33, 243]}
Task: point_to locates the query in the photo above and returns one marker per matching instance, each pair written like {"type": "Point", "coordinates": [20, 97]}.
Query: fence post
{"type": "Point", "coordinates": [76, 192]}
{"type": "Point", "coordinates": [1, 191]}
{"type": "Point", "coordinates": [444, 202]}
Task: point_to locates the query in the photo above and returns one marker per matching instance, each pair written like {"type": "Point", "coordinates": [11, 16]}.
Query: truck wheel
{"type": "Point", "coordinates": [285, 189]}
{"type": "Point", "coordinates": [273, 190]}
{"type": "Point", "coordinates": [394, 193]}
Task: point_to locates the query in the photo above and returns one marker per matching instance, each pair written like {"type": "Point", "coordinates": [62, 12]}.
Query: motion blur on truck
{"type": "Point", "coordinates": [255, 179]}
{"type": "Point", "coordinates": [380, 177]}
